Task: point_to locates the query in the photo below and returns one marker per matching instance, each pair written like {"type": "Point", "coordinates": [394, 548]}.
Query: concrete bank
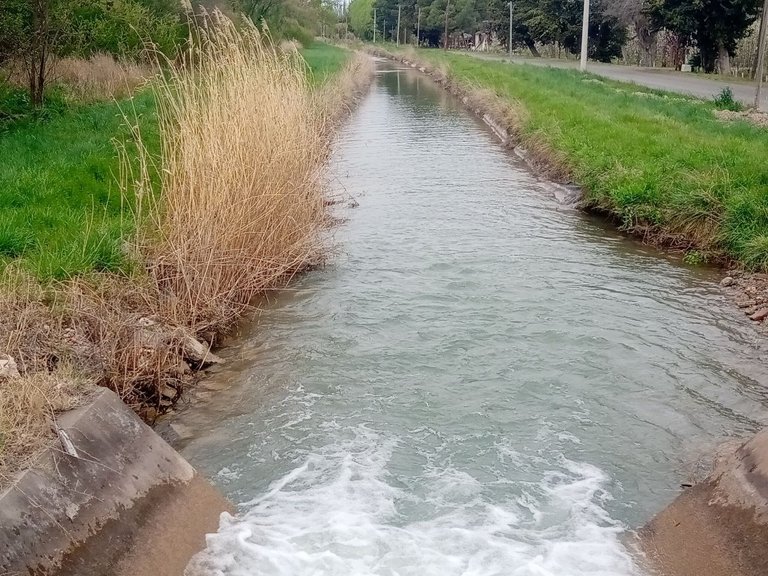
{"type": "Point", "coordinates": [718, 527]}
{"type": "Point", "coordinates": [110, 499]}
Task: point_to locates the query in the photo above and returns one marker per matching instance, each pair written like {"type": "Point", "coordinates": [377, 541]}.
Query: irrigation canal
{"type": "Point", "coordinates": [481, 383]}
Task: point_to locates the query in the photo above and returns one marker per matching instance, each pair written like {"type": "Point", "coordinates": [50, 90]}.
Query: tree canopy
{"type": "Point", "coordinates": [713, 26]}
{"type": "Point", "coordinates": [533, 21]}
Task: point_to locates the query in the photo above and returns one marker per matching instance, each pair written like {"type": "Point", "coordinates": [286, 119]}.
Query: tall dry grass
{"type": "Point", "coordinates": [240, 205]}
{"type": "Point", "coordinates": [100, 77]}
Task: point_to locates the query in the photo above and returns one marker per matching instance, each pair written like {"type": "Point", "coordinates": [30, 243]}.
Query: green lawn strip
{"type": "Point", "coordinates": [62, 213]}
{"type": "Point", "coordinates": [61, 209]}
{"type": "Point", "coordinates": [647, 156]}
{"type": "Point", "coordinates": [324, 60]}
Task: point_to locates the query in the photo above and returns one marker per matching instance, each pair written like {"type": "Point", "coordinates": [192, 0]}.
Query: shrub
{"type": "Point", "coordinates": [726, 101]}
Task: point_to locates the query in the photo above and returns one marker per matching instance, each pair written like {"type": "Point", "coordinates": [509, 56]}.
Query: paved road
{"type": "Point", "coordinates": [680, 82]}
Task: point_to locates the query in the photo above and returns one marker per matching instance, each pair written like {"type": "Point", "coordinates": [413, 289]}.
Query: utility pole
{"type": "Point", "coordinates": [510, 31]}
{"type": "Point", "coordinates": [584, 36]}
{"type": "Point", "coordinates": [760, 55]}
{"type": "Point", "coordinates": [418, 29]}
{"type": "Point", "coordinates": [447, 7]}
{"type": "Point", "coordinates": [385, 29]}
{"type": "Point", "coordinates": [399, 7]}
{"type": "Point", "coordinates": [374, 25]}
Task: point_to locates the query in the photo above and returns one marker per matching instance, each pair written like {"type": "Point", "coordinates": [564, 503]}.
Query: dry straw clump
{"type": "Point", "coordinates": [28, 406]}
{"type": "Point", "coordinates": [100, 77]}
{"type": "Point", "coordinates": [240, 204]}
{"type": "Point", "coordinates": [335, 100]}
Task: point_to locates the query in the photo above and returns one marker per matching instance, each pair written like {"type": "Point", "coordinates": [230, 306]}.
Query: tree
{"type": "Point", "coordinates": [361, 18]}
{"type": "Point", "coordinates": [714, 26]}
{"type": "Point", "coordinates": [33, 33]}
{"type": "Point", "coordinates": [634, 14]}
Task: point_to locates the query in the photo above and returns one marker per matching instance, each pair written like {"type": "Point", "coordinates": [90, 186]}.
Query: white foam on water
{"type": "Point", "coordinates": [342, 513]}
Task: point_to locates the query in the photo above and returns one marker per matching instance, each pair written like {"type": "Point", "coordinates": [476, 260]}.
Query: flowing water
{"type": "Point", "coordinates": [481, 383]}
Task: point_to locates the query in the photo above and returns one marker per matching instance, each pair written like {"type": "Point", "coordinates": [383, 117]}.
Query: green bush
{"type": "Point", "coordinates": [726, 101]}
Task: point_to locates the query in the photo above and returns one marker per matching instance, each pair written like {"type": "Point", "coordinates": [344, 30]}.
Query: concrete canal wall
{"type": "Point", "coordinates": [111, 498]}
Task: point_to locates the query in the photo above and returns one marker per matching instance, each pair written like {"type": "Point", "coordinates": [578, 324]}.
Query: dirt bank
{"type": "Point", "coordinates": [718, 527]}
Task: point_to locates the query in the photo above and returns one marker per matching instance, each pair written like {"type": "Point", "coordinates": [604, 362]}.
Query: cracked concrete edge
{"type": "Point", "coordinates": [53, 510]}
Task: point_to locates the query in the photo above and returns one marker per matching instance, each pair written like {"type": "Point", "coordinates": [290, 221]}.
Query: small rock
{"type": "Point", "coordinates": [751, 310]}
{"type": "Point", "coordinates": [760, 315]}
{"type": "Point", "coordinates": [745, 303]}
{"type": "Point", "coordinates": [727, 281]}
{"type": "Point", "coordinates": [198, 353]}
{"type": "Point", "coordinates": [181, 368]}
{"type": "Point", "coordinates": [8, 367]}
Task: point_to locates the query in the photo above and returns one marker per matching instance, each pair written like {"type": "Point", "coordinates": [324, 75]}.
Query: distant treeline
{"type": "Point", "coordinates": [709, 28]}
{"type": "Point", "coordinates": [35, 33]}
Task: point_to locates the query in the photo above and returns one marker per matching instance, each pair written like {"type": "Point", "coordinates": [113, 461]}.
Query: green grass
{"type": "Point", "coordinates": [651, 159]}
{"type": "Point", "coordinates": [61, 210]}
{"type": "Point", "coordinates": [324, 60]}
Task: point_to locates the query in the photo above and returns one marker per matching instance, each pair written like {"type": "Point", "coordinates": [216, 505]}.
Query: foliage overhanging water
{"type": "Point", "coordinates": [482, 383]}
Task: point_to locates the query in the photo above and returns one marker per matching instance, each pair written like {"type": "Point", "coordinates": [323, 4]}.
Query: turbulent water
{"type": "Point", "coordinates": [481, 383]}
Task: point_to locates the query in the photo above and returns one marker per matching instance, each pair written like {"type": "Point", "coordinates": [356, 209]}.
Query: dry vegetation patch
{"type": "Point", "coordinates": [752, 116]}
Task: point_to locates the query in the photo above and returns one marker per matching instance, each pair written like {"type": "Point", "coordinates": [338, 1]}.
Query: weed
{"type": "Point", "coordinates": [695, 258]}
{"type": "Point", "coordinates": [726, 101]}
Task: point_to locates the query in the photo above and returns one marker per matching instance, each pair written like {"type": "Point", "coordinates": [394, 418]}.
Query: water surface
{"type": "Point", "coordinates": [481, 383]}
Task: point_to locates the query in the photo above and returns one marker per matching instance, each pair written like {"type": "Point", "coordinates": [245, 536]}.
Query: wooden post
{"type": "Point", "coordinates": [584, 37]}
{"type": "Point", "coordinates": [510, 31]}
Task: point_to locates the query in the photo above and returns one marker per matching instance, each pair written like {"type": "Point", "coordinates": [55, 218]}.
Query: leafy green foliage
{"type": "Point", "coordinates": [288, 19]}
{"type": "Point", "coordinates": [361, 18]}
{"type": "Point", "coordinates": [726, 101]}
{"type": "Point", "coordinates": [713, 25]}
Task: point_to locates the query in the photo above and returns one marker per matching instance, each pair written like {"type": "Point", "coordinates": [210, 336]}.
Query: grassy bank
{"type": "Point", "coordinates": [61, 209]}
{"type": "Point", "coordinates": [224, 200]}
{"type": "Point", "coordinates": [661, 163]}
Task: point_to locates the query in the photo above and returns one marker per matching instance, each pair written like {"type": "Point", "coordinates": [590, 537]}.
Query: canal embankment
{"type": "Point", "coordinates": [718, 526]}
{"type": "Point", "coordinates": [663, 167]}
{"type": "Point", "coordinates": [217, 167]}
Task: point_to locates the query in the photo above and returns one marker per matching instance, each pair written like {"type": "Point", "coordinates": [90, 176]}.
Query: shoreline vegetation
{"type": "Point", "coordinates": [664, 167]}
{"type": "Point", "coordinates": [136, 232]}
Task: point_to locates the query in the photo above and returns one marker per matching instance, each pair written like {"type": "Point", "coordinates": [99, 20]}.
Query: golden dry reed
{"type": "Point", "coordinates": [240, 205]}
{"type": "Point", "coordinates": [101, 77]}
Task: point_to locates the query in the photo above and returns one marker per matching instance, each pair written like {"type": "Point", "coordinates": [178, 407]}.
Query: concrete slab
{"type": "Point", "coordinates": [120, 489]}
